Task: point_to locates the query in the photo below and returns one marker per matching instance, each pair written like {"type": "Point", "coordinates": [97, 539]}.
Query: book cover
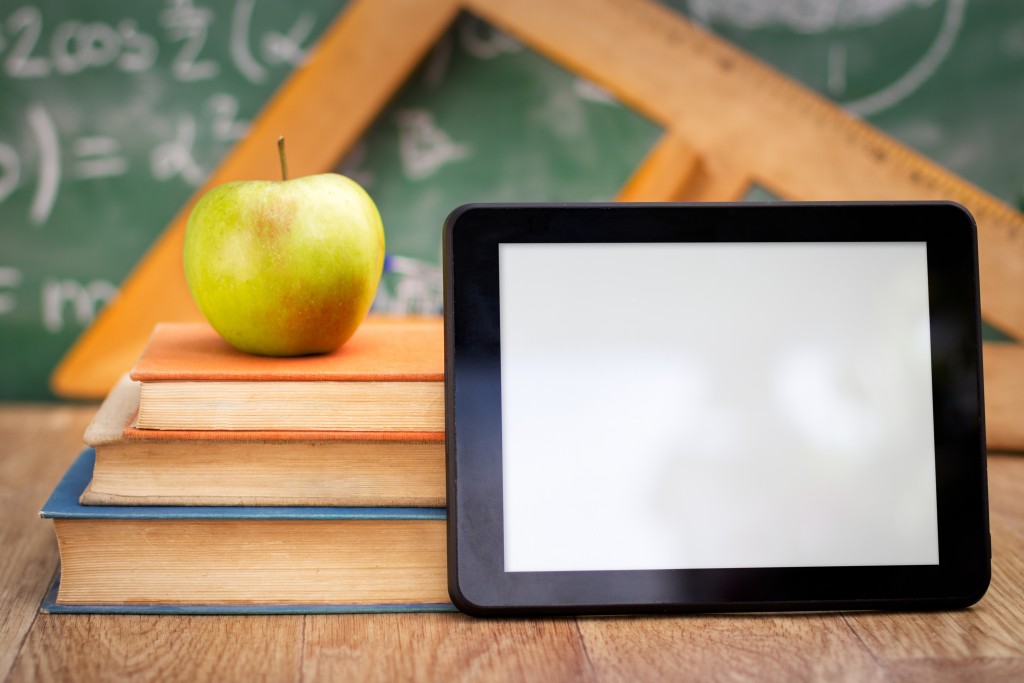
{"type": "Point", "coordinates": [232, 468]}
{"type": "Point", "coordinates": [388, 377]}
{"type": "Point", "coordinates": [381, 350]}
{"type": "Point", "coordinates": [243, 559]}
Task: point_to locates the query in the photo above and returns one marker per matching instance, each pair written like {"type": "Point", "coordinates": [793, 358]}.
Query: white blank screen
{"type": "Point", "coordinates": [676, 406]}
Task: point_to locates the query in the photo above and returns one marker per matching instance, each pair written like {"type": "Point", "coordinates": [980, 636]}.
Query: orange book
{"type": "Point", "coordinates": [281, 468]}
{"type": "Point", "coordinates": [388, 377]}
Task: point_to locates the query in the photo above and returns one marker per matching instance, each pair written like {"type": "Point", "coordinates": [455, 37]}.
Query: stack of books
{"type": "Point", "coordinates": [217, 481]}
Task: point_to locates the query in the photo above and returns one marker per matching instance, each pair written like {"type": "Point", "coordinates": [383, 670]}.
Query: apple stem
{"type": "Point", "coordinates": [284, 162]}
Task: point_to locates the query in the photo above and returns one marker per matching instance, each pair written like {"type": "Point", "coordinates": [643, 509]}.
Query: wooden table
{"type": "Point", "coordinates": [38, 442]}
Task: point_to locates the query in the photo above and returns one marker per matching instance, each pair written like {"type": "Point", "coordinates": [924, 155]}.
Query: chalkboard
{"type": "Point", "coordinates": [485, 119]}
{"type": "Point", "coordinates": [110, 116]}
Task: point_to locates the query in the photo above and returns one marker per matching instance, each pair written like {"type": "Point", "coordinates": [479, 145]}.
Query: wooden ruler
{"type": "Point", "coordinates": [730, 121]}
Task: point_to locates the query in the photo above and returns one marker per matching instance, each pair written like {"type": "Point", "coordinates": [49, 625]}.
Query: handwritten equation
{"type": "Point", "coordinates": [187, 75]}
{"type": "Point", "coordinates": [187, 45]}
{"type": "Point", "coordinates": [62, 300]}
{"type": "Point", "coordinates": [33, 50]}
{"type": "Point", "coordinates": [30, 49]}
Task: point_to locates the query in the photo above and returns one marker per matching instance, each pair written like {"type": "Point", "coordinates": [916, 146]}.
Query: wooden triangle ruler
{"type": "Point", "coordinates": [730, 122]}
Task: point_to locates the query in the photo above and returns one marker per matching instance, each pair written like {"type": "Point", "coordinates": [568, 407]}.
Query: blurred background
{"type": "Point", "coordinates": [113, 114]}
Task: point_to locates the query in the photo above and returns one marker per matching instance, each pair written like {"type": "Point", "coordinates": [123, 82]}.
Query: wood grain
{"type": "Point", "coordinates": [1004, 395]}
{"type": "Point", "coordinates": [1006, 490]}
{"type": "Point", "coordinates": [169, 648]}
{"type": "Point", "coordinates": [791, 648]}
{"type": "Point", "coordinates": [983, 643]}
{"type": "Point", "coordinates": [36, 445]}
{"type": "Point", "coordinates": [664, 175]}
{"type": "Point", "coordinates": [939, 670]}
{"type": "Point", "coordinates": [442, 647]}
{"type": "Point", "coordinates": [985, 638]}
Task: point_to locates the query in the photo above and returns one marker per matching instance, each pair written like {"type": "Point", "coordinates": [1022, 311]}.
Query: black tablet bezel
{"type": "Point", "coordinates": [478, 583]}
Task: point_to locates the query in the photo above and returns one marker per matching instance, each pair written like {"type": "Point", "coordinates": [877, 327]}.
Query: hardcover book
{"type": "Point", "coordinates": [203, 559]}
{"type": "Point", "coordinates": [158, 467]}
{"type": "Point", "coordinates": [388, 377]}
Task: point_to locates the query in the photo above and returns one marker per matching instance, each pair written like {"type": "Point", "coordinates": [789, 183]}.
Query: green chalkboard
{"type": "Point", "coordinates": [485, 120]}
{"type": "Point", "coordinates": [111, 114]}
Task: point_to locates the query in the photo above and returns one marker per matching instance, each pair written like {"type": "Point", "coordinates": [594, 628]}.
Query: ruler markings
{"type": "Point", "coordinates": [729, 106]}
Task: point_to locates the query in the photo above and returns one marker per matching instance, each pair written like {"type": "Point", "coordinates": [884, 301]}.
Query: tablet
{"type": "Point", "coordinates": [711, 407]}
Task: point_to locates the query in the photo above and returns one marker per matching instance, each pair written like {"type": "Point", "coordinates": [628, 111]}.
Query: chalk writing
{"type": "Point", "coordinates": [592, 92]}
{"type": "Point", "coordinates": [240, 52]}
{"type": "Point", "coordinates": [109, 114]}
{"type": "Point", "coordinates": [189, 24]}
{"type": "Point", "coordinates": [923, 70]}
{"type": "Point", "coordinates": [417, 288]}
{"type": "Point", "coordinates": [74, 46]}
{"type": "Point", "coordinates": [101, 156]}
{"type": "Point", "coordinates": [10, 278]}
{"type": "Point", "coordinates": [44, 135]}
{"type": "Point", "coordinates": [814, 18]}
{"type": "Point", "coordinates": [139, 50]}
{"type": "Point", "coordinates": [26, 24]}
{"type": "Point", "coordinates": [475, 38]}
{"type": "Point", "coordinates": [800, 15]}
{"type": "Point", "coordinates": [32, 47]}
{"type": "Point", "coordinates": [85, 301]}
{"type": "Point", "coordinates": [10, 170]}
{"type": "Point", "coordinates": [98, 157]}
{"type": "Point", "coordinates": [226, 126]}
{"type": "Point", "coordinates": [49, 163]}
{"type": "Point", "coordinates": [276, 48]}
{"type": "Point", "coordinates": [836, 82]}
{"type": "Point", "coordinates": [286, 48]}
{"type": "Point", "coordinates": [423, 146]}
{"type": "Point", "coordinates": [174, 158]}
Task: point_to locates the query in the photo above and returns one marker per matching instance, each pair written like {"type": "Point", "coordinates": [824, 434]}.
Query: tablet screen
{"type": "Point", "coordinates": [716, 405]}
{"type": "Point", "coordinates": [695, 407]}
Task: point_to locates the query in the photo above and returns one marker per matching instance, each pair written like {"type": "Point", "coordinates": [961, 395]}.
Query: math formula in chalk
{"type": "Point", "coordinates": [47, 157]}
{"type": "Point", "coordinates": [169, 67]}
{"type": "Point", "coordinates": [112, 114]}
{"type": "Point", "coordinates": [31, 48]}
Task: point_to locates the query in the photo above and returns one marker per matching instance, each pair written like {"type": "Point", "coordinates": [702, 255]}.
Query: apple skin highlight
{"type": "Point", "coordinates": [285, 268]}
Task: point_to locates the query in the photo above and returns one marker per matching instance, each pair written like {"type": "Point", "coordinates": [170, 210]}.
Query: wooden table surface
{"type": "Point", "coordinates": [37, 442]}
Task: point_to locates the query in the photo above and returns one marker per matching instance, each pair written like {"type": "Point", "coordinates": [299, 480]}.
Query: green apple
{"type": "Point", "coordinates": [285, 268]}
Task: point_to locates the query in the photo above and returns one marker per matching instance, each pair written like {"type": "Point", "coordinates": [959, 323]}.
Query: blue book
{"type": "Point", "coordinates": [242, 560]}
